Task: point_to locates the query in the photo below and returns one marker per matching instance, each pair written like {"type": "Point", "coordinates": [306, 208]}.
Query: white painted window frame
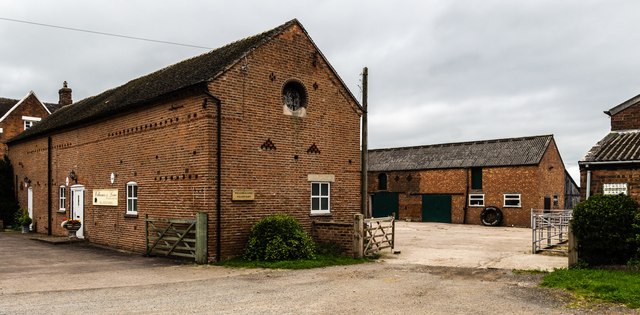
{"type": "Point", "coordinates": [512, 197]}
{"type": "Point", "coordinates": [476, 197]}
{"type": "Point", "coordinates": [320, 197]}
{"type": "Point", "coordinates": [62, 198]}
{"type": "Point", "coordinates": [30, 121]}
{"type": "Point", "coordinates": [132, 198]}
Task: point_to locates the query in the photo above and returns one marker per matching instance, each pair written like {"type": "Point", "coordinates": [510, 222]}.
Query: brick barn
{"type": "Point", "coordinates": [612, 166]}
{"type": "Point", "coordinates": [454, 182]}
{"type": "Point", "coordinates": [261, 126]}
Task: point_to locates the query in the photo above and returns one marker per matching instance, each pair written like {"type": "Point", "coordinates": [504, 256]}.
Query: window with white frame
{"type": "Point", "coordinates": [476, 200]}
{"type": "Point", "coordinates": [320, 197]}
{"type": "Point", "coordinates": [62, 195]}
{"type": "Point", "coordinates": [132, 198]}
{"type": "Point", "coordinates": [29, 121]}
{"type": "Point", "coordinates": [512, 200]}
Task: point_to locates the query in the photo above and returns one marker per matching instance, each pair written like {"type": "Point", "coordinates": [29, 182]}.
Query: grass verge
{"type": "Point", "coordinates": [615, 286]}
{"type": "Point", "coordinates": [320, 261]}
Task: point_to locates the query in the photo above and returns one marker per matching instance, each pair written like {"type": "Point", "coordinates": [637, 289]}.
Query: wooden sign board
{"type": "Point", "coordinates": [105, 197]}
{"type": "Point", "coordinates": [243, 195]}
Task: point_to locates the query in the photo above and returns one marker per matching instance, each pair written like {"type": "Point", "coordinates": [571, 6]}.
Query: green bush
{"type": "Point", "coordinates": [24, 218]}
{"type": "Point", "coordinates": [604, 228]}
{"type": "Point", "coordinates": [278, 237]}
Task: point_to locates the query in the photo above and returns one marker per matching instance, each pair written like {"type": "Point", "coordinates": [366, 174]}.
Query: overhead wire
{"type": "Point", "coordinates": [104, 33]}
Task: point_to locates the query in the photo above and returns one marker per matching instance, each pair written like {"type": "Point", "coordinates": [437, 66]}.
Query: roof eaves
{"type": "Point", "coordinates": [624, 105]}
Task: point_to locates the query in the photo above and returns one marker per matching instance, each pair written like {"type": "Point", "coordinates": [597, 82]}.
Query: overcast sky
{"type": "Point", "coordinates": [439, 71]}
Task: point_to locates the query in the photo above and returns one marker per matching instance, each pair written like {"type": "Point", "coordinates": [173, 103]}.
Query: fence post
{"type": "Point", "coordinates": [573, 248]}
{"type": "Point", "coordinates": [358, 235]}
{"type": "Point", "coordinates": [201, 238]}
{"type": "Point", "coordinates": [146, 234]}
{"type": "Point", "coordinates": [393, 231]}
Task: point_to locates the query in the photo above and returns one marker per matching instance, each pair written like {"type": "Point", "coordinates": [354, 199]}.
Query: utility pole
{"type": "Point", "coordinates": [364, 154]}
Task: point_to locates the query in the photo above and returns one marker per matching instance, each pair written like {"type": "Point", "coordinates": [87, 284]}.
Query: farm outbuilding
{"type": "Point", "coordinates": [455, 182]}
{"type": "Point", "coordinates": [261, 126]}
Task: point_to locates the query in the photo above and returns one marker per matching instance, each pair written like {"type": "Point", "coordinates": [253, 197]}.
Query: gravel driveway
{"type": "Point", "coordinates": [39, 278]}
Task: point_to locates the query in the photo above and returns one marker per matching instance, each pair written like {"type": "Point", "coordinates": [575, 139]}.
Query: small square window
{"type": "Point", "coordinates": [320, 197]}
{"type": "Point", "coordinates": [476, 200]}
{"type": "Point", "coordinates": [512, 200]}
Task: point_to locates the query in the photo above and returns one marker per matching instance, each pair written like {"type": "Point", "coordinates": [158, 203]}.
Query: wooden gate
{"type": "Point", "coordinates": [379, 234]}
{"type": "Point", "coordinates": [177, 237]}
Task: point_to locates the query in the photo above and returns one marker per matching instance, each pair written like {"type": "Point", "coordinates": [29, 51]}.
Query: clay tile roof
{"type": "Point", "coordinates": [616, 146]}
{"type": "Point", "coordinates": [185, 74]}
{"type": "Point", "coordinates": [499, 152]}
{"type": "Point", "coordinates": [6, 104]}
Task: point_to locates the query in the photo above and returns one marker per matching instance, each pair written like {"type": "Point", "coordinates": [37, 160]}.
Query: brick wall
{"type": "Point", "coordinates": [340, 234]}
{"type": "Point", "coordinates": [13, 124]}
{"type": "Point", "coordinates": [168, 148]}
{"type": "Point", "coordinates": [626, 119]}
{"type": "Point", "coordinates": [533, 183]}
{"type": "Point", "coordinates": [611, 174]}
{"type": "Point", "coordinates": [253, 111]}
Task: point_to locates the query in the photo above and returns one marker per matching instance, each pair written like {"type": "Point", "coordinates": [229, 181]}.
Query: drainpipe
{"type": "Point", "coordinates": [218, 173]}
{"type": "Point", "coordinates": [588, 194]}
{"type": "Point", "coordinates": [466, 200]}
{"type": "Point", "coordinates": [49, 194]}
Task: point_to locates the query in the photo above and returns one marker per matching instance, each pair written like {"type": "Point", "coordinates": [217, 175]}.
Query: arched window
{"type": "Point", "coordinates": [382, 181]}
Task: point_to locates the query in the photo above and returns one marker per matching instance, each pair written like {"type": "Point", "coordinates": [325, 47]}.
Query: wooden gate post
{"type": "Point", "coordinates": [358, 236]}
{"type": "Point", "coordinates": [201, 238]}
{"type": "Point", "coordinates": [573, 248]}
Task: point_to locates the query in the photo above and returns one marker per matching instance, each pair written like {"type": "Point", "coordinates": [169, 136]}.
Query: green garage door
{"type": "Point", "coordinates": [436, 208]}
{"type": "Point", "coordinates": [383, 204]}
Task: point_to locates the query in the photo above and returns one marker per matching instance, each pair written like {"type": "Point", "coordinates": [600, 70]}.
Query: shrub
{"type": "Point", "coordinates": [278, 237]}
{"type": "Point", "coordinates": [604, 228]}
{"type": "Point", "coordinates": [24, 218]}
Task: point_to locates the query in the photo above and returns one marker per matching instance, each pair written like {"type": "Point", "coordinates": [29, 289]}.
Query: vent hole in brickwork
{"type": "Point", "coordinates": [195, 115]}
{"type": "Point", "coordinates": [156, 157]}
{"type": "Point", "coordinates": [295, 157]}
{"type": "Point", "coordinates": [194, 152]}
{"type": "Point", "coordinates": [189, 176]}
{"type": "Point", "coordinates": [135, 173]}
{"type": "Point", "coordinates": [268, 145]}
{"type": "Point", "coordinates": [313, 149]}
{"type": "Point", "coordinates": [350, 161]}
{"type": "Point", "coordinates": [120, 161]}
{"type": "Point", "coordinates": [196, 176]}
{"type": "Point", "coordinates": [177, 119]}
{"type": "Point", "coordinates": [409, 178]}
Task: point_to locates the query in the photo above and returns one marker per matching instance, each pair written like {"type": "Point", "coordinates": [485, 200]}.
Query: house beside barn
{"type": "Point", "coordinates": [454, 182]}
{"type": "Point", "coordinates": [261, 126]}
{"type": "Point", "coordinates": [612, 166]}
{"type": "Point", "coordinates": [17, 116]}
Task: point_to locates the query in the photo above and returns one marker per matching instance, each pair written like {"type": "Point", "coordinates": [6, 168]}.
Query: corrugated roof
{"type": "Point", "coordinates": [499, 152]}
{"type": "Point", "coordinates": [616, 146]}
{"type": "Point", "coordinates": [185, 74]}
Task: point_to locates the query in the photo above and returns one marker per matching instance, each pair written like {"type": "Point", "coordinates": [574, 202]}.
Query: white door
{"type": "Point", "coordinates": [77, 207]}
{"type": "Point", "coordinates": [30, 205]}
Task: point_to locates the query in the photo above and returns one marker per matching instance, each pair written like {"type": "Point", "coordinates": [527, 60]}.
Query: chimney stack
{"type": "Point", "coordinates": [65, 95]}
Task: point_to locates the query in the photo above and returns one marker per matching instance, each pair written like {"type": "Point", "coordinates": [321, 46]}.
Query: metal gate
{"type": "Point", "coordinates": [550, 230]}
